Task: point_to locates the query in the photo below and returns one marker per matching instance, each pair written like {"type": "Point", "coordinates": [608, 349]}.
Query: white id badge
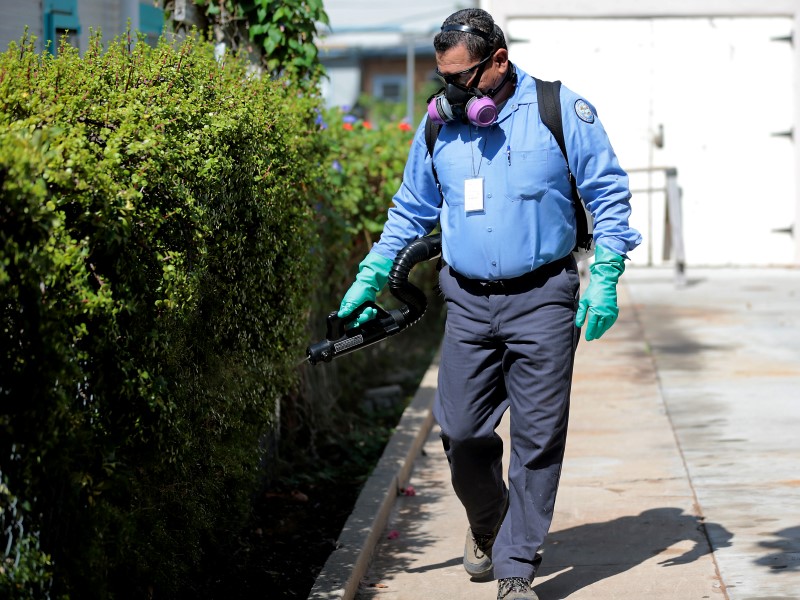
{"type": "Point", "coordinates": [473, 194]}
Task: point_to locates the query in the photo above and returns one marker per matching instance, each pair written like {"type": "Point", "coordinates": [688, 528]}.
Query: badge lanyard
{"type": "Point", "coordinates": [473, 187]}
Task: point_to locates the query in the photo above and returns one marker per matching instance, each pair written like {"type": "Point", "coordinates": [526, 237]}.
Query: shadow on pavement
{"type": "Point", "coordinates": [580, 556]}
{"type": "Point", "coordinates": [457, 561]}
{"type": "Point", "coordinates": [786, 555]}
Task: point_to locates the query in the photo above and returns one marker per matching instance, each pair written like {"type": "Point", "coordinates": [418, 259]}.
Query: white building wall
{"type": "Point", "coordinates": [343, 84]}
{"type": "Point", "coordinates": [720, 87]}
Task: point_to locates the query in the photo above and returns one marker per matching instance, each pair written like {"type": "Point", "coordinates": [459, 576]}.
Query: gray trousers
{"type": "Point", "coordinates": [508, 346]}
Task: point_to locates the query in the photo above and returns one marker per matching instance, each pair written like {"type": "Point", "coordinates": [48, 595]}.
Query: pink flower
{"type": "Point", "coordinates": [393, 534]}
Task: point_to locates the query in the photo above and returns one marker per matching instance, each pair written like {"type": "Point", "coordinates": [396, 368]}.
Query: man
{"type": "Point", "coordinates": [510, 282]}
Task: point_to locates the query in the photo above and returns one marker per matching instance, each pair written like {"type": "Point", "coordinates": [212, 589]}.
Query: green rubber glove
{"type": "Point", "coordinates": [373, 273]}
{"type": "Point", "coordinates": [598, 306]}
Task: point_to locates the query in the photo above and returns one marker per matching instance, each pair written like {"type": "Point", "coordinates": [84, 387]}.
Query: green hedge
{"type": "Point", "coordinates": [156, 221]}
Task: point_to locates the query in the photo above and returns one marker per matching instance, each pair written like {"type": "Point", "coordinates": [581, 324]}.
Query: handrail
{"type": "Point", "coordinates": [673, 218]}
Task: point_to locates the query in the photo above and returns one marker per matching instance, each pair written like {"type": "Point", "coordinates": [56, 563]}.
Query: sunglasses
{"type": "Point", "coordinates": [461, 78]}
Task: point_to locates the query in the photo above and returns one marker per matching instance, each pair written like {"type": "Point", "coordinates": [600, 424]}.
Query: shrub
{"type": "Point", "coordinates": [154, 275]}
{"type": "Point", "coordinates": [364, 170]}
{"type": "Point", "coordinates": [24, 568]}
{"type": "Point", "coordinates": [173, 231]}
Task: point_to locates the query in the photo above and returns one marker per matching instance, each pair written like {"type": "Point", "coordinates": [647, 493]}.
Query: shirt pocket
{"type": "Point", "coordinates": [528, 176]}
{"type": "Point", "coordinates": [452, 178]}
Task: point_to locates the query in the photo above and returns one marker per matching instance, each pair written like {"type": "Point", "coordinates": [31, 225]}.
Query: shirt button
{"type": "Point", "coordinates": [494, 263]}
{"type": "Point", "coordinates": [488, 162]}
{"type": "Point", "coordinates": [489, 229]}
{"type": "Point", "coordinates": [488, 195]}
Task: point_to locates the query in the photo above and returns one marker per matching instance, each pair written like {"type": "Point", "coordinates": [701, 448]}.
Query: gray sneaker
{"type": "Point", "coordinates": [478, 549]}
{"type": "Point", "coordinates": [515, 588]}
{"type": "Point", "coordinates": [478, 554]}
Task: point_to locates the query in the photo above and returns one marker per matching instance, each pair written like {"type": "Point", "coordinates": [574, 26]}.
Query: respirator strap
{"type": "Point", "coordinates": [467, 29]}
{"type": "Point", "coordinates": [511, 75]}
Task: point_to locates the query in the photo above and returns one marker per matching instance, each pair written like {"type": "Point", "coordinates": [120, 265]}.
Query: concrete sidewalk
{"type": "Point", "coordinates": [630, 520]}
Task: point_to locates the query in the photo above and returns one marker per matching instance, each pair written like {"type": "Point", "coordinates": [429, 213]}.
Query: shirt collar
{"type": "Point", "coordinates": [524, 93]}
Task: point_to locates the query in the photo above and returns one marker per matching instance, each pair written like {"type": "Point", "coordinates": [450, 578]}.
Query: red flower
{"type": "Point", "coordinates": [348, 126]}
{"type": "Point", "coordinates": [403, 126]}
{"type": "Point", "coordinates": [367, 125]}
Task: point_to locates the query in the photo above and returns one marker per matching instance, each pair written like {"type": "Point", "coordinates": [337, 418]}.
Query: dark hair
{"type": "Point", "coordinates": [477, 46]}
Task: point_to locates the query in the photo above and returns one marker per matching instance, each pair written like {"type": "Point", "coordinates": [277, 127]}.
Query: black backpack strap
{"type": "Point", "coordinates": [431, 133]}
{"type": "Point", "coordinates": [549, 93]}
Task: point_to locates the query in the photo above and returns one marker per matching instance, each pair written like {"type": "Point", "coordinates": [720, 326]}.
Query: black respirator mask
{"type": "Point", "coordinates": [467, 104]}
{"type": "Point", "coordinates": [455, 102]}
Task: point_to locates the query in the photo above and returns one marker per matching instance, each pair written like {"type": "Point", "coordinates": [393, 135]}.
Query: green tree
{"type": "Point", "coordinates": [280, 32]}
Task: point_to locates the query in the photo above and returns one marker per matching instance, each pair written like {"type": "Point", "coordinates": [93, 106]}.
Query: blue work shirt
{"type": "Point", "coordinates": [527, 219]}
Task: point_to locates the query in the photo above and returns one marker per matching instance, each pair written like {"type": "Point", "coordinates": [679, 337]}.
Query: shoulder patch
{"type": "Point", "coordinates": [584, 111]}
